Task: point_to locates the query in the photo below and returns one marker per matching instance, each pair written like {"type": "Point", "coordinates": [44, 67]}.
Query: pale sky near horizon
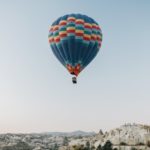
{"type": "Point", "coordinates": [36, 92]}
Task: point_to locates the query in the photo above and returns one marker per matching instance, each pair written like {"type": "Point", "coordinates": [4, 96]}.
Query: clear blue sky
{"type": "Point", "coordinates": [36, 92]}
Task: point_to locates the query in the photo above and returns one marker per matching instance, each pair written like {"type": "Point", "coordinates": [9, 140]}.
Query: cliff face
{"type": "Point", "coordinates": [124, 137]}
{"type": "Point", "coordinates": [129, 134]}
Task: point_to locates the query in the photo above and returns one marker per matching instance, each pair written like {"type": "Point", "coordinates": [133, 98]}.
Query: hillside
{"type": "Point", "coordinates": [126, 137]}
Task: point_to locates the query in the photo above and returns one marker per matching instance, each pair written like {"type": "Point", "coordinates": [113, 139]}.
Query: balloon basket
{"type": "Point", "coordinates": [74, 80]}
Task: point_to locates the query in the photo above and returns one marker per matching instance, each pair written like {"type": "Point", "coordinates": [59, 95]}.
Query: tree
{"type": "Point", "coordinates": [87, 145]}
{"type": "Point", "coordinates": [93, 147]}
{"type": "Point", "coordinates": [65, 141]}
{"type": "Point", "coordinates": [148, 143]}
{"type": "Point", "coordinates": [108, 146]}
{"type": "Point", "coordinates": [78, 147]}
{"type": "Point", "coordinates": [99, 147]}
{"type": "Point", "coordinates": [55, 147]}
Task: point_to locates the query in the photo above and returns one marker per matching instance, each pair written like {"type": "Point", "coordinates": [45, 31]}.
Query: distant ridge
{"type": "Point", "coordinates": [74, 133]}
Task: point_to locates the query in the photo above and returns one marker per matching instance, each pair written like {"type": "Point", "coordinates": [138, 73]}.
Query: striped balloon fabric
{"type": "Point", "coordinates": [75, 40]}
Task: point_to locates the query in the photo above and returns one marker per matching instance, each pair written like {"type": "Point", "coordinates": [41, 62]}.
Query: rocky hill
{"type": "Point", "coordinates": [71, 134]}
{"type": "Point", "coordinates": [129, 134]}
{"type": "Point", "coordinates": [126, 137]}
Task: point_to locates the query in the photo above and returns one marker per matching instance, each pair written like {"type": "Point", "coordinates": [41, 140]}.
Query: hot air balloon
{"type": "Point", "coordinates": [75, 40]}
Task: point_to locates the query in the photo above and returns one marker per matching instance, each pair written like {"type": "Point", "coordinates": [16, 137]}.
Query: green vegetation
{"type": "Point", "coordinates": [65, 141]}
{"type": "Point", "coordinates": [82, 147]}
{"type": "Point", "coordinates": [123, 143]}
{"type": "Point", "coordinates": [140, 144]}
{"type": "Point", "coordinates": [108, 146]}
{"type": "Point", "coordinates": [78, 147]}
{"type": "Point", "coordinates": [133, 148]}
{"type": "Point", "coordinates": [55, 147]}
{"type": "Point", "coordinates": [148, 143]}
{"type": "Point", "coordinates": [99, 147]}
{"type": "Point", "coordinates": [87, 146]}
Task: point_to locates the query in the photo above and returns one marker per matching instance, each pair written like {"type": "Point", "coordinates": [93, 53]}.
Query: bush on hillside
{"type": "Point", "coordinates": [148, 143]}
{"type": "Point", "coordinates": [108, 146]}
{"type": "Point", "coordinates": [123, 143]}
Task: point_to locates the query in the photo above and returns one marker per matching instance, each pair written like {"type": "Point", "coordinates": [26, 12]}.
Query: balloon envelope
{"type": "Point", "coordinates": [75, 40]}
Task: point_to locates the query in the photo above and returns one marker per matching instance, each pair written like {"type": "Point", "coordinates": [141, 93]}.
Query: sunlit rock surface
{"type": "Point", "coordinates": [126, 137]}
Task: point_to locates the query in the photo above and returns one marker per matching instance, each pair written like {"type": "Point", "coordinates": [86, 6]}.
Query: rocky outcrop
{"type": "Point", "coordinates": [126, 137]}
{"type": "Point", "coordinates": [129, 134]}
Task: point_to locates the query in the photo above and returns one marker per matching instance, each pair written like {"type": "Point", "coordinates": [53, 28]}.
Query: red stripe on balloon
{"type": "Point", "coordinates": [63, 23]}
{"type": "Point", "coordinates": [71, 20]}
{"type": "Point", "coordinates": [98, 28]}
{"type": "Point", "coordinates": [86, 38]}
{"type": "Point", "coordinates": [63, 35]}
{"type": "Point", "coordinates": [79, 34]}
{"type": "Point", "coordinates": [70, 31]}
{"type": "Point", "coordinates": [86, 26]}
{"type": "Point", "coordinates": [57, 40]}
{"type": "Point", "coordinates": [98, 38]}
{"type": "Point", "coordinates": [93, 38]}
{"type": "Point", "coordinates": [79, 22]}
{"type": "Point", "coordinates": [51, 40]}
{"type": "Point", "coordinates": [94, 27]}
{"type": "Point", "coordinates": [55, 28]}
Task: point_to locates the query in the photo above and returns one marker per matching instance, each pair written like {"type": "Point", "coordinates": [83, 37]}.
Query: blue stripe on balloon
{"type": "Point", "coordinates": [91, 55]}
{"type": "Point", "coordinates": [71, 47]}
{"type": "Point", "coordinates": [91, 58]}
{"type": "Point", "coordinates": [62, 52]}
{"type": "Point", "coordinates": [84, 50]}
{"type": "Point", "coordinates": [66, 49]}
{"type": "Point", "coordinates": [54, 49]}
{"type": "Point", "coordinates": [59, 50]}
{"type": "Point", "coordinates": [88, 52]}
